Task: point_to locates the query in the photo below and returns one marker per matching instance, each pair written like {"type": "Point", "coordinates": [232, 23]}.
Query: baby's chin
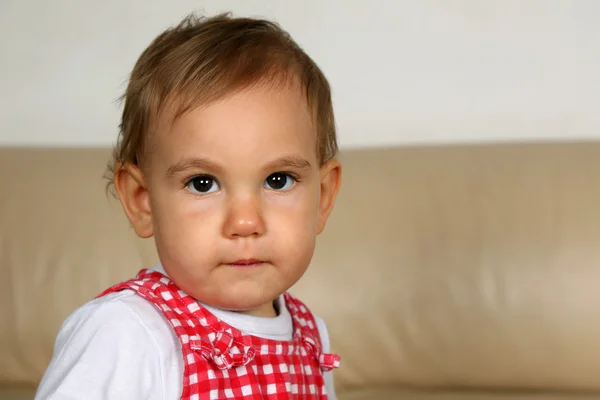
{"type": "Point", "coordinates": [249, 291]}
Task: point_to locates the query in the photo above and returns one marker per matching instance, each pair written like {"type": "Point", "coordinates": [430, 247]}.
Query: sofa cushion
{"type": "Point", "coordinates": [407, 394]}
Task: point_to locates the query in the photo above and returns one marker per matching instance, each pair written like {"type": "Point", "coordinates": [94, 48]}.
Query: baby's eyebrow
{"type": "Point", "coordinates": [192, 163]}
{"type": "Point", "coordinates": [207, 165]}
{"type": "Point", "coordinates": [288, 162]}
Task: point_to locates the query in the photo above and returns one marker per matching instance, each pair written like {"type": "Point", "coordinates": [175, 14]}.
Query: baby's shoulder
{"type": "Point", "coordinates": [117, 332]}
{"type": "Point", "coordinates": [119, 315]}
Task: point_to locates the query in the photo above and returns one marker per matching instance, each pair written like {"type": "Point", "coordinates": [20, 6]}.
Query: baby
{"type": "Point", "coordinates": [226, 157]}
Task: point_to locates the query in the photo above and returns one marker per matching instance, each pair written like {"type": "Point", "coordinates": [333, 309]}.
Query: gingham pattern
{"type": "Point", "coordinates": [220, 362]}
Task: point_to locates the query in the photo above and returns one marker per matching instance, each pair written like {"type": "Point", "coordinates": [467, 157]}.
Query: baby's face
{"type": "Point", "coordinates": [235, 192]}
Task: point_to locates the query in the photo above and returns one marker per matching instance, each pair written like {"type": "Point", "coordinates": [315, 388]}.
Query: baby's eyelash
{"type": "Point", "coordinates": [292, 175]}
{"type": "Point", "coordinates": [186, 182]}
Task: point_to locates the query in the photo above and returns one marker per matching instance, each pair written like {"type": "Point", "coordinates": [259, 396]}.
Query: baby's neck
{"type": "Point", "coordinates": [269, 310]}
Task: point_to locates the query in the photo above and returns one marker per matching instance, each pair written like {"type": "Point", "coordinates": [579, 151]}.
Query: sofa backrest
{"type": "Point", "coordinates": [448, 265]}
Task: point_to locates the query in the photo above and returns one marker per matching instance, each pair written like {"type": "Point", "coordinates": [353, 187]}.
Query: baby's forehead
{"type": "Point", "coordinates": [274, 117]}
{"type": "Point", "coordinates": [285, 103]}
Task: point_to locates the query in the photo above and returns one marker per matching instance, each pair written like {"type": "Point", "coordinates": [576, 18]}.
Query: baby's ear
{"type": "Point", "coordinates": [132, 189]}
{"type": "Point", "coordinates": [331, 178]}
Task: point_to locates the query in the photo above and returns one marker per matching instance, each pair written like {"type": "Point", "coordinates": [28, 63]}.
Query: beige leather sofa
{"type": "Point", "coordinates": [451, 272]}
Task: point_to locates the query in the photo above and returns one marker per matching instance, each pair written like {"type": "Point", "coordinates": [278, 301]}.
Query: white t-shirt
{"type": "Point", "coordinates": [120, 346]}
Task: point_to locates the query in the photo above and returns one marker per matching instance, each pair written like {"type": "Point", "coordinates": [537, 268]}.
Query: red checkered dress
{"type": "Point", "coordinates": [221, 362]}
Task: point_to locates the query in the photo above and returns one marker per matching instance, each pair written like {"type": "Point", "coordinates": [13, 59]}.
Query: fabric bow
{"type": "Point", "coordinates": [223, 350]}
{"type": "Point", "coordinates": [327, 361]}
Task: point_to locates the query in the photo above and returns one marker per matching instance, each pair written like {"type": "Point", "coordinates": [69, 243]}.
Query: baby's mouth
{"type": "Point", "coordinates": [246, 263]}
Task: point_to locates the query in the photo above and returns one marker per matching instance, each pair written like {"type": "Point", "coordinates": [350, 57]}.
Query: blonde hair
{"type": "Point", "coordinates": [202, 60]}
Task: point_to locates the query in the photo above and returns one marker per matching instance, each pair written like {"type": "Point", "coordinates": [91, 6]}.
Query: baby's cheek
{"type": "Point", "coordinates": [300, 234]}
{"type": "Point", "coordinates": [175, 237]}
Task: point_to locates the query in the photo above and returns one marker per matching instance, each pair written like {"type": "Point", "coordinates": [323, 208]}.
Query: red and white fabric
{"type": "Point", "coordinates": [221, 362]}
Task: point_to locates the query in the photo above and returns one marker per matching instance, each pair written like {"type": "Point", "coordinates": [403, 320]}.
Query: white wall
{"type": "Point", "coordinates": [402, 71]}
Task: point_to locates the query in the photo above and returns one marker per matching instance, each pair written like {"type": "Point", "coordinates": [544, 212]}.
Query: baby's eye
{"type": "Point", "coordinates": [203, 184]}
{"type": "Point", "coordinates": [279, 181]}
